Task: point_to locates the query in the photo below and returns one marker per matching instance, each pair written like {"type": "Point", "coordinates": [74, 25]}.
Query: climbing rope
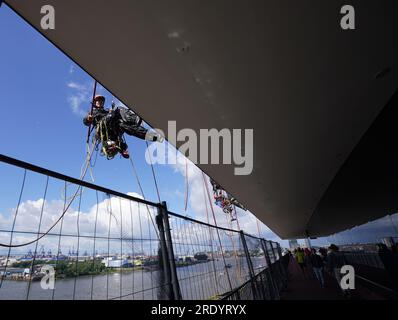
{"type": "Point", "coordinates": [143, 195]}
{"type": "Point", "coordinates": [91, 111]}
{"type": "Point", "coordinates": [218, 233]}
{"type": "Point", "coordinates": [211, 234]}
{"type": "Point", "coordinates": [258, 228]}
{"type": "Point", "coordinates": [231, 238]}
{"type": "Point", "coordinates": [231, 234]}
{"type": "Point", "coordinates": [58, 220]}
{"type": "Point", "coordinates": [237, 219]}
{"type": "Point", "coordinates": [153, 172]}
{"type": "Point", "coordinates": [103, 130]}
{"type": "Point", "coordinates": [239, 229]}
{"type": "Point", "coordinates": [88, 148]}
{"type": "Point", "coordinates": [83, 168]}
{"type": "Point", "coordinates": [186, 185]}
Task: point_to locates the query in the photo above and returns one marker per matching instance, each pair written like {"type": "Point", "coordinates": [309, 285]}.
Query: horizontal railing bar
{"type": "Point", "coordinates": [201, 222]}
{"type": "Point", "coordinates": [31, 167]}
{"type": "Point", "coordinates": [207, 273]}
{"type": "Point", "coordinates": [231, 293]}
{"type": "Point", "coordinates": [138, 292]}
{"type": "Point", "coordinates": [376, 284]}
{"type": "Point", "coordinates": [254, 237]}
{"type": "Point", "coordinates": [34, 168]}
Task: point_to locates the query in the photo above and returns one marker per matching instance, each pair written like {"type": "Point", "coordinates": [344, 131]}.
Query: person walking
{"type": "Point", "coordinates": [335, 261]}
{"type": "Point", "coordinates": [300, 260]}
{"type": "Point", "coordinates": [317, 264]}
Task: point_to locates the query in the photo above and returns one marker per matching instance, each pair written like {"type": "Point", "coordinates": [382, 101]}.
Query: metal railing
{"type": "Point", "coordinates": [121, 246]}
{"type": "Point", "coordinates": [371, 259]}
{"type": "Point", "coordinates": [265, 284]}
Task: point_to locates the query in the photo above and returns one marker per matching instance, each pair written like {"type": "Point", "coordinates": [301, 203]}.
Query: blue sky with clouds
{"type": "Point", "coordinates": [43, 97]}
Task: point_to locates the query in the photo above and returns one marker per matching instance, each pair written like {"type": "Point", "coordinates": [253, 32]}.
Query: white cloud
{"type": "Point", "coordinates": [80, 95]}
{"type": "Point", "coordinates": [77, 86]}
{"type": "Point", "coordinates": [125, 222]}
{"type": "Point", "coordinates": [198, 201]}
{"type": "Point", "coordinates": [133, 222]}
{"type": "Point", "coordinates": [179, 194]}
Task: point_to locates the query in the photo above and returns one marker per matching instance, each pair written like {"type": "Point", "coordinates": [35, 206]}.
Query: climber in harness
{"type": "Point", "coordinates": [111, 124]}
{"type": "Point", "coordinates": [226, 205]}
{"type": "Point", "coordinates": [224, 200]}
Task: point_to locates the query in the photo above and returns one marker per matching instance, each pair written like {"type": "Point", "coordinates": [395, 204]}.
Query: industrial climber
{"type": "Point", "coordinates": [111, 124]}
{"type": "Point", "coordinates": [223, 199]}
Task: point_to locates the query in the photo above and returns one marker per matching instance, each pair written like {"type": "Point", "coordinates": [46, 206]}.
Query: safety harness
{"type": "Point", "coordinates": [109, 148]}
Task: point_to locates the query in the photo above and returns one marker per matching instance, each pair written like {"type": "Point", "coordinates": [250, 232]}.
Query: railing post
{"type": "Point", "coordinates": [165, 255]}
{"type": "Point", "coordinates": [277, 263]}
{"type": "Point", "coordinates": [170, 251]}
{"type": "Point", "coordinates": [275, 271]}
{"type": "Point", "coordinates": [271, 278]}
{"type": "Point", "coordinates": [273, 250]}
{"type": "Point", "coordinates": [284, 271]}
{"type": "Point", "coordinates": [263, 277]}
{"type": "Point", "coordinates": [249, 263]}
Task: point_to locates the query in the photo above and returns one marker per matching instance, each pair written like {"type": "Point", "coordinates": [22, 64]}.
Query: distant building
{"type": "Point", "coordinates": [293, 244]}
{"type": "Point", "coordinates": [201, 256]}
{"type": "Point", "coordinates": [79, 258]}
{"type": "Point", "coordinates": [111, 262]}
{"type": "Point", "coordinates": [8, 262]}
{"type": "Point", "coordinates": [186, 258]}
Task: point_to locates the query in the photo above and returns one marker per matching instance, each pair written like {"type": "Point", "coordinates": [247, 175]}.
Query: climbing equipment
{"type": "Point", "coordinates": [91, 111]}
{"type": "Point", "coordinates": [109, 147]}
{"type": "Point", "coordinates": [218, 233]}
{"type": "Point", "coordinates": [225, 201]}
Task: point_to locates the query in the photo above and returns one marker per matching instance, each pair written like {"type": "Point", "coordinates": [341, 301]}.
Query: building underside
{"type": "Point", "coordinates": [322, 101]}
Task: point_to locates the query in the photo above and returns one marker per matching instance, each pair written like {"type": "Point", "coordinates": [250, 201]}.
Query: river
{"type": "Point", "coordinates": [197, 281]}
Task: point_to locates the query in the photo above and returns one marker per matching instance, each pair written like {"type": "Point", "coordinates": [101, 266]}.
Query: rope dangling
{"type": "Point", "coordinates": [186, 185]}
{"type": "Point", "coordinates": [153, 172]}
{"type": "Point", "coordinates": [91, 111]}
{"type": "Point", "coordinates": [102, 128]}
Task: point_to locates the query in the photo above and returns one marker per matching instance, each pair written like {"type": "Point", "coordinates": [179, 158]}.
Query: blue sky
{"type": "Point", "coordinates": [37, 86]}
{"type": "Point", "coordinates": [43, 97]}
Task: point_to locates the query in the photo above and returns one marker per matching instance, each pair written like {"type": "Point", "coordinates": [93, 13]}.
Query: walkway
{"type": "Point", "coordinates": [306, 287]}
